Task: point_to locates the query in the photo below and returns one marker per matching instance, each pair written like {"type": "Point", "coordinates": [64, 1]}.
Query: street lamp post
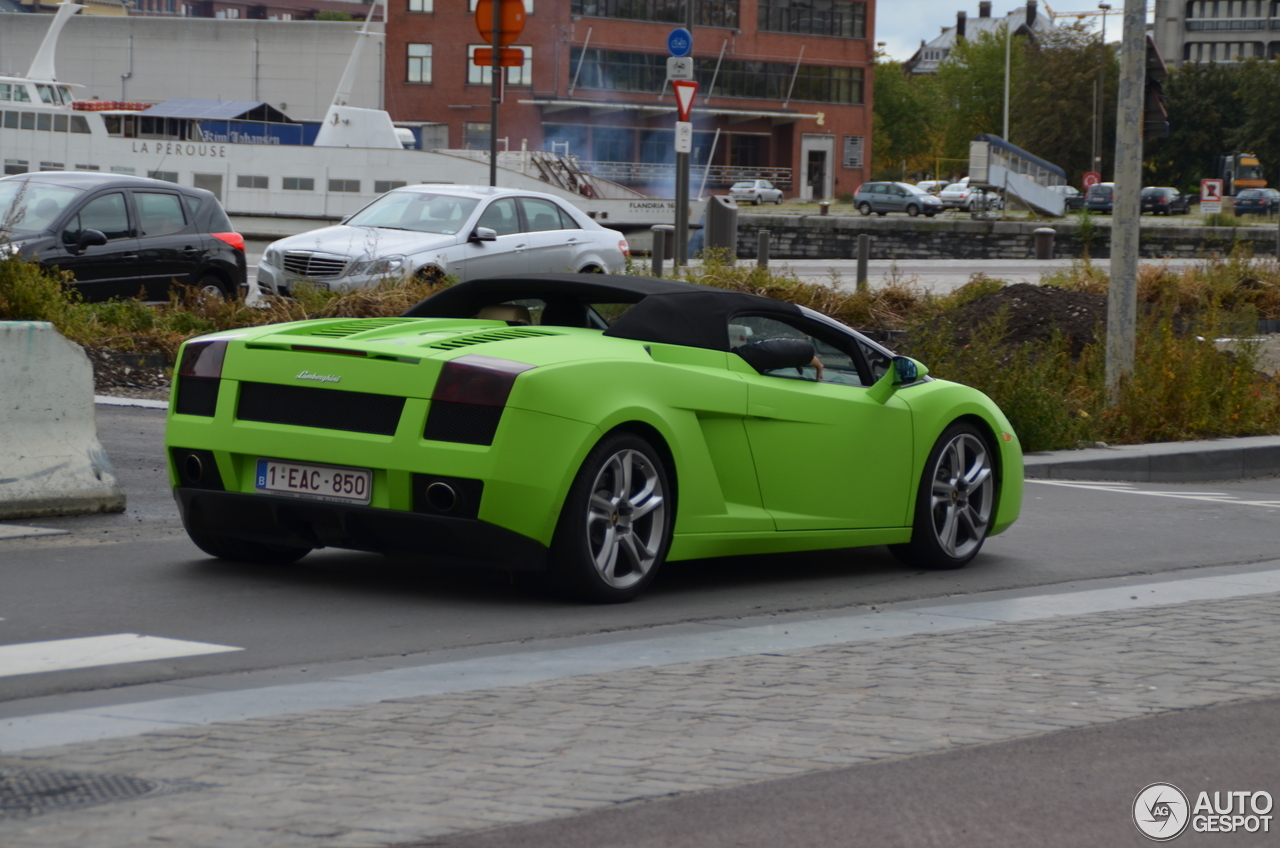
{"type": "Point", "coordinates": [1102, 67]}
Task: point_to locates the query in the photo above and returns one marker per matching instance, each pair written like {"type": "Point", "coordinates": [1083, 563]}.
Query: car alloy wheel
{"type": "Point", "coordinates": [864, 208]}
{"type": "Point", "coordinates": [615, 527]}
{"type": "Point", "coordinates": [913, 210]}
{"type": "Point", "coordinates": [955, 502]}
{"type": "Point", "coordinates": [757, 200]}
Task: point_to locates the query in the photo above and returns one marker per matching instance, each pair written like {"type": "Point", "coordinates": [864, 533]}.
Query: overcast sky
{"type": "Point", "coordinates": [900, 24]}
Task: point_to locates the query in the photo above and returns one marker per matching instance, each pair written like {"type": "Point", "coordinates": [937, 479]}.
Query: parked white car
{"type": "Point", "coordinates": [755, 191]}
{"type": "Point", "coordinates": [429, 231]}
{"type": "Point", "coordinates": [963, 196]}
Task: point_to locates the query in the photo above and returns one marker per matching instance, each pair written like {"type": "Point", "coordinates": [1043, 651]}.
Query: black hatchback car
{"type": "Point", "coordinates": [118, 235]}
{"type": "Point", "coordinates": [1257, 201]}
{"type": "Point", "coordinates": [1162, 200]}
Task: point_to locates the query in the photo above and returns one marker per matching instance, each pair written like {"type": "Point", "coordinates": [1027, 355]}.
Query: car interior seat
{"type": "Point", "coordinates": [514, 315]}
{"type": "Point", "coordinates": [564, 312]}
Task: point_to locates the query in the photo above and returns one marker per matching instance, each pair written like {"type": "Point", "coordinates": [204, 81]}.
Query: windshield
{"type": "Point", "coordinates": [28, 207]}
{"type": "Point", "coordinates": [420, 212]}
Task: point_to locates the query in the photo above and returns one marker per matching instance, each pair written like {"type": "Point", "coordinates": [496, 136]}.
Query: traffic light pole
{"type": "Point", "coordinates": [1122, 297]}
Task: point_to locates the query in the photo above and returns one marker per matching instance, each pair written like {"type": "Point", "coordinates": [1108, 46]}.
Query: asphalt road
{"type": "Point", "coordinates": [137, 573]}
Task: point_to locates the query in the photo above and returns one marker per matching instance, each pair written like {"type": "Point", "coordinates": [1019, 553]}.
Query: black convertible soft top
{"type": "Point", "coordinates": [665, 311]}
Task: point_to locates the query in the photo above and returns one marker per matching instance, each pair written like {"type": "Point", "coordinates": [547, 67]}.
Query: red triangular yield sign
{"type": "Point", "coordinates": [685, 90]}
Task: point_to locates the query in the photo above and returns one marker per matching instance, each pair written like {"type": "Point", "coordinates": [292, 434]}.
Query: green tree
{"type": "Point", "coordinates": [971, 87]}
{"type": "Point", "coordinates": [1207, 114]}
{"type": "Point", "coordinates": [330, 15]}
{"type": "Point", "coordinates": [1259, 131]}
{"type": "Point", "coordinates": [903, 122]}
{"type": "Point", "coordinates": [1054, 111]}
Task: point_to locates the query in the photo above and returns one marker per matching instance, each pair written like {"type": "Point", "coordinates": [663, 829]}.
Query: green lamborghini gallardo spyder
{"type": "Point", "coordinates": [588, 425]}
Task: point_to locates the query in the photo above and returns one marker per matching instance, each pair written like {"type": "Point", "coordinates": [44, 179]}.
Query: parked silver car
{"type": "Point", "coordinates": [429, 231]}
{"type": "Point", "coordinates": [883, 198]}
{"type": "Point", "coordinates": [755, 191]}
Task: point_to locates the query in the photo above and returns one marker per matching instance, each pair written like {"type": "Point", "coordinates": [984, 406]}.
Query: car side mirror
{"type": "Point", "coordinates": [483, 234]}
{"type": "Point", "coordinates": [90, 238]}
{"type": "Point", "coordinates": [902, 372]}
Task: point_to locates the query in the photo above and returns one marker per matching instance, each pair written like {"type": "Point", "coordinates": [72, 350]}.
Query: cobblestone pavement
{"type": "Point", "coordinates": [399, 771]}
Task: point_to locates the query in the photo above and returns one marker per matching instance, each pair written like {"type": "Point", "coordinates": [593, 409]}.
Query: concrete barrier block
{"type": "Point", "coordinates": [51, 462]}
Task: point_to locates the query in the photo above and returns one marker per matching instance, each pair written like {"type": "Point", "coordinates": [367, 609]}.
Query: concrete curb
{"type": "Point", "coordinates": [51, 462]}
{"type": "Point", "coordinates": [1172, 462]}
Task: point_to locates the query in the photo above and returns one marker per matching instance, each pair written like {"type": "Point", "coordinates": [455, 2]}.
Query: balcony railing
{"type": "Point", "coordinates": [647, 173]}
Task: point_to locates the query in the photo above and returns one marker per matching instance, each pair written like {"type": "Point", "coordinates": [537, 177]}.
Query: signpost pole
{"type": "Point", "coordinates": [682, 172]}
{"type": "Point", "coordinates": [1122, 298]}
{"type": "Point", "coordinates": [495, 94]}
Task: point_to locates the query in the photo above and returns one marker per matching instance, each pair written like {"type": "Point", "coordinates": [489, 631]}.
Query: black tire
{"type": "Point", "coordinates": [953, 511]}
{"type": "Point", "coordinates": [601, 552]}
{"type": "Point", "coordinates": [239, 550]}
{"type": "Point", "coordinates": [864, 208]}
{"type": "Point", "coordinates": [778, 201]}
{"type": "Point", "coordinates": [757, 200]}
{"type": "Point", "coordinates": [913, 210]}
{"type": "Point", "coordinates": [882, 214]}
{"type": "Point", "coordinates": [213, 286]}
{"type": "Point", "coordinates": [428, 274]}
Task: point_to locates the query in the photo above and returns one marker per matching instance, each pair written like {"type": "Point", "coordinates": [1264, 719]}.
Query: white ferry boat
{"type": "Point", "coordinates": [356, 155]}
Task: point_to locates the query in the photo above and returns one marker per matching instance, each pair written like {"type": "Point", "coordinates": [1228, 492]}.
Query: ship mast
{"type": "Point", "coordinates": [42, 65]}
{"type": "Point", "coordinates": [343, 94]}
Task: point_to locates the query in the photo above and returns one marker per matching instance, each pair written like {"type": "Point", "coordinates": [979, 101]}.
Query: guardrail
{"type": "Point", "coordinates": [656, 172]}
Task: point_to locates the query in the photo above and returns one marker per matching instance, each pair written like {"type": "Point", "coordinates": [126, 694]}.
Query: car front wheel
{"type": "Point", "coordinates": [864, 208]}
{"type": "Point", "coordinates": [954, 504]}
{"type": "Point", "coordinates": [615, 527]}
{"type": "Point", "coordinates": [913, 210]}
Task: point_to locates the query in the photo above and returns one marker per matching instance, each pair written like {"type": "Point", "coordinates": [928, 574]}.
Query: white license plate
{"type": "Point", "coordinates": [319, 482]}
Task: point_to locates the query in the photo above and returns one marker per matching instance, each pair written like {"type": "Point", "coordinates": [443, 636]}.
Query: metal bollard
{"type": "Point", "coordinates": [1044, 242]}
{"type": "Point", "coordinates": [762, 248]}
{"type": "Point", "coordinates": [864, 255]}
{"type": "Point", "coordinates": [659, 250]}
{"type": "Point", "coordinates": [824, 208]}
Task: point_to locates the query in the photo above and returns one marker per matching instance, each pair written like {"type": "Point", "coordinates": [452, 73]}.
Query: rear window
{"type": "Point", "coordinates": [1250, 192]}
{"type": "Point", "coordinates": [1099, 191]}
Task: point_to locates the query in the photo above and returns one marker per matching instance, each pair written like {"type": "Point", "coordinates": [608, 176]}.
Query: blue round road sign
{"type": "Point", "coordinates": [680, 42]}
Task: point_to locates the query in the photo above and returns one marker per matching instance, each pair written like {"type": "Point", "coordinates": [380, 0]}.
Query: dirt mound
{"type": "Point", "coordinates": [1035, 312]}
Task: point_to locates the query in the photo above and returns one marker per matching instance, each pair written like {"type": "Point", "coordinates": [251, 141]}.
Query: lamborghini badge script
{"type": "Point", "coordinates": [323, 378]}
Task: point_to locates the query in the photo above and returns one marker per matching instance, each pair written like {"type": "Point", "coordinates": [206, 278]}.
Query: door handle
{"type": "Point", "coordinates": [130, 257]}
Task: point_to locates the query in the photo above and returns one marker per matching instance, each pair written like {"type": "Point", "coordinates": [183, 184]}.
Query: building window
{"type": "Point", "coordinates": [711, 13]}
{"type": "Point", "coordinates": [852, 152]}
{"type": "Point", "coordinates": [299, 184]}
{"type": "Point", "coordinates": [352, 186]}
{"type": "Point", "coordinates": [528, 6]}
{"type": "Point", "coordinates": [53, 166]}
{"type": "Point", "coordinates": [612, 144]}
{"type": "Point", "coordinates": [88, 168]}
{"type": "Point", "coordinates": [475, 136]}
{"type": "Point", "coordinates": [251, 181]}
{"type": "Point", "coordinates": [613, 70]}
{"type": "Point", "coordinates": [523, 75]}
{"type": "Point", "coordinates": [167, 176]}
{"type": "Point", "coordinates": [421, 6]}
{"type": "Point", "coordinates": [121, 169]}
{"type": "Point", "coordinates": [384, 186]}
{"type": "Point", "coordinates": [419, 63]}
{"type": "Point", "coordinates": [15, 166]}
{"type": "Point", "coordinates": [815, 17]}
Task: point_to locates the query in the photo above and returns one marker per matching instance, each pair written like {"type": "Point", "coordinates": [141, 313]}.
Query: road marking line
{"type": "Point", "coordinates": [1127, 488]}
{"type": "Point", "coordinates": [90, 651]}
{"type": "Point", "coordinates": [17, 531]}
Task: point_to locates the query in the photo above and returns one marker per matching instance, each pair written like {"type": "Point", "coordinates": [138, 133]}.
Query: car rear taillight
{"type": "Point", "coordinates": [199, 373]}
{"type": "Point", "coordinates": [470, 394]}
{"type": "Point", "coordinates": [234, 239]}
{"type": "Point", "coordinates": [478, 380]}
{"type": "Point", "coordinates": [625, 248]}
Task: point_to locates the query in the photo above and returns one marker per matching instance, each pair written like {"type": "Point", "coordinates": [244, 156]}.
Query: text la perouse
{"type": "Point", "coordinates": [181, 148]}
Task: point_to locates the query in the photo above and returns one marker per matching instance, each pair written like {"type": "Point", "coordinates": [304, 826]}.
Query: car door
{"type": "Point", "coordinates": [548, 247]}
{"type": "Point", "coordinates": [100, 271]}
{"type": "Point", "coordinates": [505, 254]}
{"type": "Point", "coordinates": [827, 456]}
{"type": "Point", "coordinates": [169, 247]}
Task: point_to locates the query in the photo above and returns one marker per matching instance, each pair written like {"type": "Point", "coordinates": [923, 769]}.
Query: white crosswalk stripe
{"type": "Point", "coordinates": [91, 651]}
{"type": "Point", "coordinates": [1128, 489]}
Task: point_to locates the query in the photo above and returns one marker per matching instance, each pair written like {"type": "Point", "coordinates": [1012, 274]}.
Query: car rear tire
{"type": "Point", "coordinates": [615, 528]}
{"type": "Point", "coordinates": [864, 208]}
{"type": "Point", "coordinates": [778, 200]}
{"type": "Point", "coordinates": [239, 550]}
{"type": "Point", "coordinates": [211, 285]}
{"type": "Point", "coordinates": [955, 502]}
{"type": "Point", "coordinates": [757, 200]}
{"type": "Point", "coordinates": [913, 210]}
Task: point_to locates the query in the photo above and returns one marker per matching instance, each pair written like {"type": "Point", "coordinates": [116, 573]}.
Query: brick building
{"type": "Point", "coordinates": [785, 87]}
